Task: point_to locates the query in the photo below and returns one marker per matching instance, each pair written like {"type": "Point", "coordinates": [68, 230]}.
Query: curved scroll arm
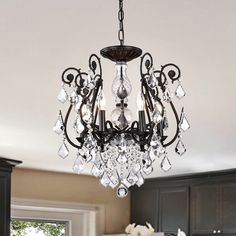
{"type": "Point", "coordinates": [173, 71]}
{"type": "Point", "coordinates": [65, 128]}
{"type": "Point", "coordinates": [177, 129]}
{"type": "Point", "coordinates": [146, 64]}
{"type": "Point", "coordinates": [69, 75]}
{"type": "Point", "coordinates": [94, 64]}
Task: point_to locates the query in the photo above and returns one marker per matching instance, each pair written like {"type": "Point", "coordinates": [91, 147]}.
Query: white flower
{"type": "Point", "coordinates": [150, 227]}
{"type": "Point", "coordinates": [129, 228]}
{"type": "Point", "coordinates": [139, 230]}
{"type": "Point", "coordinates": [181, 233]}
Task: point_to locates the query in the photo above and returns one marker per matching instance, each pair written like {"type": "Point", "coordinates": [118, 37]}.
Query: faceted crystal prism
{"type": "Point", "coordinates": [73, 97]}
{"type": "Point", "coordinates": [148, 169]}
{"type": "Point", "coordinates": [122, 159]}
{"type": "Point", "coordinates": [179, 92]}
{"type": "Point", "coordinates": [62, 96]}
{"type": "Point", "coordinates": [180, 148]}
{"type": "Point", "coordinates": [165, 164]}
{"type": "Point", "coordinates": [184, 124]}
{"type": "Point", "coordinates": [114, 180]}
{"type": "Point", "coordinates": [140, 180]}
{"type": "Point", "coordinates": [63, 151]}
{"type": "Point", "coordinates": [78, 166]}
{"type": "Point", "coordinates": [87, 113]}
{"type": "Point", "coordinates": [156, 149]}
{"type": "Point", "coordinates": [122, 191]}
{"type": "Point", "coordinates": [156, 114]}
{"type": "Point", "coordinates": [105, 181]}
{"type": "Point", "coordinates": [79, 126]}
{"type": "Point", "coordinates": [97, 171]}
{"type": "Point", "coordinates": [151, 81]}
{"type": "Point", "coordinates": [58, 127]}
{"type": "Point", "coordinates": [165, 123]}
{"type": "Point", "coordinates": [166, 95]}
{"type": "Point", "coordinates": [78, 103]}
{"type": "Point", "coordinates": [132, 178]}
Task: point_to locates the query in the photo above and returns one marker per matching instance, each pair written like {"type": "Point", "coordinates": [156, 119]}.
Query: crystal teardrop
{"type": "Point", "coordinates": [179, 92]}
{"type": "Point", "coordinates": [156, 114]}
{"type": "Point", "coordinates": [114, 179]}
{"type": "Point", "coordinates": [180, 148]}
{"type": "Point", "coordinates": [122, 159]}
{"type": "Point", "coordinates": [122, 191]}
{"type": "Point", "coordinates": [132, 178]}
{"type": "Point", "coordinates": [58, 127]}
{"type": "Point", "coordinates": [140, 180]}
{"type": "Point", "coordinates": [78, 103]}
{"type": "Point", "coordinates": [62, 96]}
{"type": "Point", "coordinates": [148, 169]}
{"type": "Point", "coordinates": [96, 171]}
{"type": "Point", "coordinates": [78, 125]}
{"type": "Point", "coordinates": [166, 95]}
{"type": "Point", "coordinates": [73, 97]}
{"type": "Point", "coordinates": [184, 124]}
{"type": "Point", "coordinates": [165, 123]}
{"type": "Point", "coordinates": [105, 181]}
{"type": "Point", "coordinates": [151, 81]}
{"type": "Point", "coordinates": [63, 151]}
{"type": "Point", "coordinates": [78, 166]}
{"type": "Point", "coordinates": [165, 164]}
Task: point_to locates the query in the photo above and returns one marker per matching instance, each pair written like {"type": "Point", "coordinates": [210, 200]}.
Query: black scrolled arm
{"type": "Point", "coordinates": [95, 65]}
{"type": "Point", "coordinates": [65, 128]}
{"type": "Point", "coordinates": [171, 71]}
{"type": "Point", "coordinates": [177, 126]}
{"type": "Point", "coordinates": [146, 64]}
{"type": "Point", "coordinates": [69, 75]}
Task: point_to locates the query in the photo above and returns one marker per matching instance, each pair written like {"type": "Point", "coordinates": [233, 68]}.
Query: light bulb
{"type": "Point", "coordinates": [140, 102]}
{"type": "Point", "coordinates": [121, 86]}
{"type": "Point", "coordinates": [102, 101]}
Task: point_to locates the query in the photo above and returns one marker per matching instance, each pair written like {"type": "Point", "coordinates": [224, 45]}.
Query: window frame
{"type": "Point", "coordinates": [81, 219]}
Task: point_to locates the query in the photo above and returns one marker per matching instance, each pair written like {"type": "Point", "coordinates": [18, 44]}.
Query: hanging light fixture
{"type": "Point", "coordinates": [121, 151]}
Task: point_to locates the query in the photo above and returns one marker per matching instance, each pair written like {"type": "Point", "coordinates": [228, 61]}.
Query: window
{"type": "Point", "coordinates": [20, 227]}
{"type": "Point", "coordinates": [77, 219]}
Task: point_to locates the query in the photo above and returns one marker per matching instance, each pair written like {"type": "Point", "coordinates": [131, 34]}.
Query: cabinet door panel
{"type": "Point", "coordinates": [228, 208]}
{"type": "Point", "coordinates": [174, 209]}
{"type": "Point", "coordinates": [144, 207]}
{"type": "Point", "coordinates": [204, 209]}
{"type": "Point", "coordinates": [4, 203]}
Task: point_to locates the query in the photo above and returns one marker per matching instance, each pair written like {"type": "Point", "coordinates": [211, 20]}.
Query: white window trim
{"type": "Point", "coordinates": [83, 219]}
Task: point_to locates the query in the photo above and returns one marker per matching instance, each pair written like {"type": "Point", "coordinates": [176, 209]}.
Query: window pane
{"type": "Point", "coordinates": [37, 228]}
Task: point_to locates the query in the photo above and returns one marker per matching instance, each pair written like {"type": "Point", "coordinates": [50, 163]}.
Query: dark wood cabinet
{"type": "Point", "coordinates": [204, 208]}
{"type": "Point", "coordinates": [5, 194]}
{"type": "Point", "coordinates": [144, 207]}
{"type": "Point", "coordinates": [228, 208]}
{"type": "Point", "coordinates": [201, 204]}
{"type": "Point", "coordinates": [173, 209]}
{"type": "Point", "coordinates": [214, 209]}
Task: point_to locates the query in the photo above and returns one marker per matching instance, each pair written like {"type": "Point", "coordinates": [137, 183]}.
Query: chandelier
{"type": "Point", "coordinates": [120, 151]}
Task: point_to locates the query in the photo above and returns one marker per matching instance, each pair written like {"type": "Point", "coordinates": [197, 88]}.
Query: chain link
{"type": "Point", "coordinates": [121, 16]}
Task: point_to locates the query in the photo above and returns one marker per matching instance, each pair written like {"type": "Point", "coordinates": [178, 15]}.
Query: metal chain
{"type": "Point", "coordinates": [121, 15]}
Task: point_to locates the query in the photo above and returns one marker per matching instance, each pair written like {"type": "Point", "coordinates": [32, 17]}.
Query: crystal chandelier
{"type": "Point", "coordinates": [121, 152]}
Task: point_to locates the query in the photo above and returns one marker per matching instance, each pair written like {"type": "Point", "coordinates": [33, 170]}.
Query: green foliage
{"type": "Point", "coordinates": [21, 227]}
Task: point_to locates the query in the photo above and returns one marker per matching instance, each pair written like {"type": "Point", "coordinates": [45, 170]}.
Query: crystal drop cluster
{"type": "Point", "coordinates": [115, 152]}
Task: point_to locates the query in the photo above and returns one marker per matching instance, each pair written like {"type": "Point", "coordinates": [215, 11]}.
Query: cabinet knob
{"type": "Point", "coordinates": [218, 231]}
{"type": "Point", "coordinates": [214, 231]}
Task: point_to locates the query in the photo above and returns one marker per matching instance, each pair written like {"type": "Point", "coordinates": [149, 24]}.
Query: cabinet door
{"type": "Point", "coordinates": [144, 207]}
{"type": "Point", "coordinates": [205, 209]}
{"type": "Point", "coordinates": [228, 208]}
{"type": "Point", "coordinates": [4, 203]}
{"type": "Point", "coordinates": [174, 209]}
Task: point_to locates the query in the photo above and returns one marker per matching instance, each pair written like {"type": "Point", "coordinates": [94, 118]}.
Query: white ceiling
{"type": "Point", "coordinates": [39, 39]}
